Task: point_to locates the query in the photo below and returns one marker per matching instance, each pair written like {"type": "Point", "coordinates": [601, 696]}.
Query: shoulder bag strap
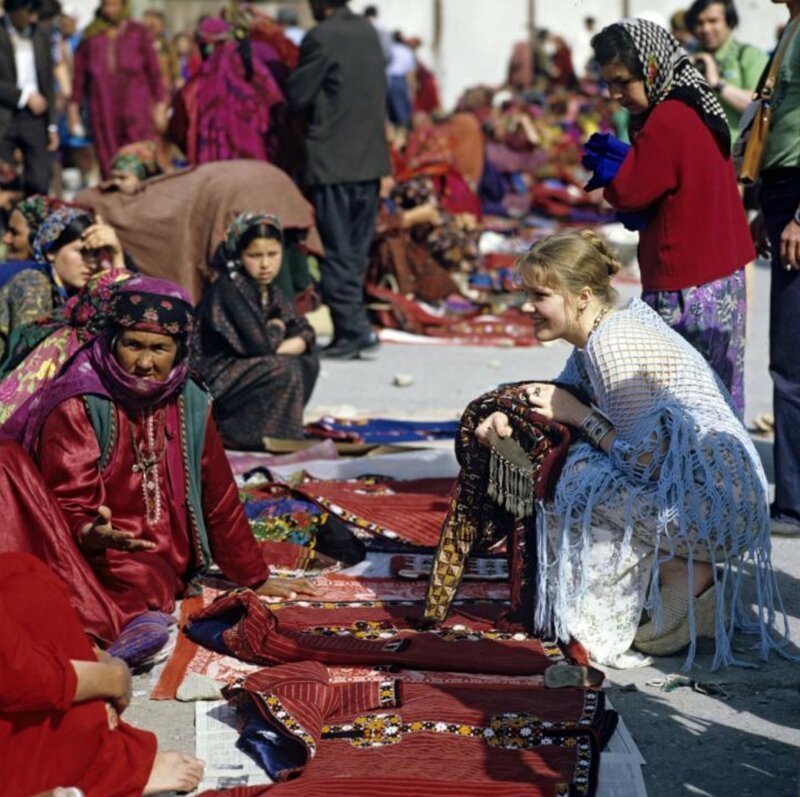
{"type": "Point", "coordinates": [766, 86]}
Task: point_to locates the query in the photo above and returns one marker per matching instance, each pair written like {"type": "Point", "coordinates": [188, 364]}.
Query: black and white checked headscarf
{"type": "Point", "coordinates": [670, 75]}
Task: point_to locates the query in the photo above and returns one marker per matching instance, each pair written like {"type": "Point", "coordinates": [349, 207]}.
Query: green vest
{"type": "Point", "coordinates": [193, 406]}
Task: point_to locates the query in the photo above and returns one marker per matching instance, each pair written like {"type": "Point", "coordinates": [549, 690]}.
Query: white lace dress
{"type": "Point", "coordinates": [682, 478]}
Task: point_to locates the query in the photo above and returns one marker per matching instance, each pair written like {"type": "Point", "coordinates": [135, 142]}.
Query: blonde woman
{"type": "Point", "coordinates": [663, 499]}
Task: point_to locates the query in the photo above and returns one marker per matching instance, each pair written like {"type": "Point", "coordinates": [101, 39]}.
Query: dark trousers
{"type": "Point", "coordinates": [28, 133]}
{"type": "Point", "coordinates": [780, 196]}
{"type": "Point", "coordinates": [346, 215]}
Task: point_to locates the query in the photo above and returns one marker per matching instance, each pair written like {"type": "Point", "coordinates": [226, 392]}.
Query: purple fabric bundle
{"type": "Point", "coordinates": [142, 638]}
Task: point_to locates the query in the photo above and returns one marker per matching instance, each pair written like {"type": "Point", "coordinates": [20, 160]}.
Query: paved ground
{"type": "Point", "coordinates": [741, 740]}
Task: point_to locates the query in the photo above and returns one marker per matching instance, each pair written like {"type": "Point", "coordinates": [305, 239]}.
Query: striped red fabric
{"type": "Point", "coordinates": [411, 511]}
{"type": "Point", "coordinates": [258, 637]}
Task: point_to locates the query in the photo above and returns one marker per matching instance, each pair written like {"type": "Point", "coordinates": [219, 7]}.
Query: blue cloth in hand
{"type": "Point", "coordinates": [604, 154]}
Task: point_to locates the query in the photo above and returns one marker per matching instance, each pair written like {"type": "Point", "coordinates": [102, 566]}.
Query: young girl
{"type": "Point", "coordinates": [255, 352]}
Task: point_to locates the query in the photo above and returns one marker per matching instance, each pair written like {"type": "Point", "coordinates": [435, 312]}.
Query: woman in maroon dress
{"type": "Point", "coordinates": [125, 440]}
{"type": "Point", "coordinates": [117, 74]}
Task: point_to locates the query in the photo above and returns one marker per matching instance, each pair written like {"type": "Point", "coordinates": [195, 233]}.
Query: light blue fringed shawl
{"type": "Point", "coordinates": [682, 467]}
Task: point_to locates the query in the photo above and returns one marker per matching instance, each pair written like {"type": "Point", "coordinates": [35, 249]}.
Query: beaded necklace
{"type": "Point", "coordinates": [148, 452]}
{"type": "Point", "coordinates": [600, 316]}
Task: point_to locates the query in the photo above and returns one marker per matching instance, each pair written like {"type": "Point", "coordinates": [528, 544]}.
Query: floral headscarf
{"type": "Point", "coordinates": [669, 74]}
{"type": "Point", "coordinates": [143, 303]}
{"type": "Point", "coordinates": [237, 229]}
{"type": "Point", "coordinates": [138, 159]}
{"type": "Point", "coordinates": [37, 207]}
{"type": "Point", "coordinates": [52, 227]}
{"type": "Point", "coordinates": [153, 305]}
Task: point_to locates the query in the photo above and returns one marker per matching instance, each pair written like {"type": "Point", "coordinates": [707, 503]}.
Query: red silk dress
{"type": "Point", "coordinates": [68, 454]}
{"type": "Point", "coordinates": [45, 740]}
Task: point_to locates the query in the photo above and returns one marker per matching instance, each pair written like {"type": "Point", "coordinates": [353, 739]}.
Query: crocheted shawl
{"type": "Point", "coordinates": [681, 453]}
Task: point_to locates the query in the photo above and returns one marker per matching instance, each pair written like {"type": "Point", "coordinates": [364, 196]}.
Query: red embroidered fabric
{"type": "Point", "coordinates": [464, 739]}
{"type": "Point", "coordinates": [258, 637]}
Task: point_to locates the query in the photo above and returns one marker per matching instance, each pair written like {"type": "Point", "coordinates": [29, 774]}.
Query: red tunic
{"type": "Point", "coordinates": [68, 456]}
{"type": "Point", "coordinates": [45, 740]}
{"type": "Point", "coordinates": [699, 233]}
{"type": "Point", "coordinates": [33, 523]}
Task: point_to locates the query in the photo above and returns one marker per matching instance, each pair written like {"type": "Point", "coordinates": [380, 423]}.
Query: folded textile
{"type": "Point", "coordinates": [239, 624]}
{"type": "Point", "coordinates": [303, 729]}
{"type": "Point", "coordinates": [142, 638]}
{"type": "Point", "coordinates": [380, 431]}
{"type": "Point", "coordinates": [476, 520]}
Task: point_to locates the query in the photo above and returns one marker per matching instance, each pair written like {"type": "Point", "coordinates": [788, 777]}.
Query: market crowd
{"type": "Point", "coordinates": [176, 205]}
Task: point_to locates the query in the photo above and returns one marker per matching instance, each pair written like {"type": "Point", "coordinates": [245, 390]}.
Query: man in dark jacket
{"type": "Point", "coordinates": [27, 96]}
{"type": "Point", "coordinates": [340, 87]}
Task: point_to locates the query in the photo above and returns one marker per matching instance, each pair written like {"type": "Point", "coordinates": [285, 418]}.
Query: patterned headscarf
{"type": "Point", "coordinates": [153, 305]}
{"type": "Point", "coordinates": [138, 159]}
{"type": "Point", "coordinates": [237, 229]}
{"type": "Point", "coordinates": [52, 227]}
{"type": "Point", "coordinates": [37, 207]}
{"type": "Point", "coordinates": [670, 75]}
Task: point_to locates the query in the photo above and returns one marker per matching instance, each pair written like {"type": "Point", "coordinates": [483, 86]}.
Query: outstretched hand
{"type": "Point", "coordinates": [288, 588]}
{"type": "Point", "coordinates": [100, 535]}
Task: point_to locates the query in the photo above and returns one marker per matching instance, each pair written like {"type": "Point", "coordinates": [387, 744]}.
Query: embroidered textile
{"type": "Point", "coordinates": [475, 734]}
{"type": "Point", "coordinates": [240, 624]}
{"type": "Point", "coordinates": [475, 520]}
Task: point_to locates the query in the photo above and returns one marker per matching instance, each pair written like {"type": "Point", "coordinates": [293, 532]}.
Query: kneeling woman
{"type": "Point", "coordinates": [664, 501]}
{"type": "Point", "coordinates": [253, 349]}
{"type": "Point", "coordinates": [125, 441]}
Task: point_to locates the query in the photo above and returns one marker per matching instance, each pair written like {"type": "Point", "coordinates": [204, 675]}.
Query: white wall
{"type": "Point", "coordinates": [478, 34]}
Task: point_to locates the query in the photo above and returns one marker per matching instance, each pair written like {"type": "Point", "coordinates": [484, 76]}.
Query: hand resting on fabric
{"type": "Point", "coordinates": [287, 588]}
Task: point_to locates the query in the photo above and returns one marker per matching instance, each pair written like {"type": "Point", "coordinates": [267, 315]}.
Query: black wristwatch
{"type": "Point", "coordinates": [719, 86]}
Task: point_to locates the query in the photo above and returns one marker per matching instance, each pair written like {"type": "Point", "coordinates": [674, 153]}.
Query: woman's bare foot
{"type": "Point", "coordinates": [172, 771]}
{"type": "Point", "coordinates": [675, 573]}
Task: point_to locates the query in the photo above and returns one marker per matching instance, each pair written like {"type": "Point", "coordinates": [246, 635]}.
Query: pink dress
{"type": "Point", "coordinates": [120, 80]}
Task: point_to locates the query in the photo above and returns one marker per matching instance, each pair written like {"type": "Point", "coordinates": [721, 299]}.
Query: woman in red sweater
{"type": "Point", "coordinates": [696, 242]}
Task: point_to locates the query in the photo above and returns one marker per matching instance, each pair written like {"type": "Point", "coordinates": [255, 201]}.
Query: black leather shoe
{"type": "Point", "coordinates": [351, 348]}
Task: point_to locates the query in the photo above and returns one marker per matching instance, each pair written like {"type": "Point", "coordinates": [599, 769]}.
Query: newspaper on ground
{"type": "Point", "coordinates": [216, 736]}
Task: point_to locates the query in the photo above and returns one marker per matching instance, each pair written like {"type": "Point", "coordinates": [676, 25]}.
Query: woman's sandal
{"type": "Point", "coordinates": [675, 633]}
{"type": "Point", "coordinates": [559, 676]}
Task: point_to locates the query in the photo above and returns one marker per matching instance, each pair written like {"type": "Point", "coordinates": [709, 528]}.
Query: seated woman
{"type": "Point", "coordinates": [70, 247]}
{"type": "Point", "coordinates": [253, 349]}
{"type": "Point", "coordinates": [663, 498]}
{"type": "Point", "coordinates": [60, 701]}
{"type": "Point", "coordinates": [125, 441]}
{"type": "Point", "coordinates": [36, 352]}
{"type": "Point", "coordinates": [24, 222]}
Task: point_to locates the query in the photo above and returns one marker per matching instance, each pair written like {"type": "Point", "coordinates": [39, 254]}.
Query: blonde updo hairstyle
{"type": "Point", "coordinates": [568, 262]}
